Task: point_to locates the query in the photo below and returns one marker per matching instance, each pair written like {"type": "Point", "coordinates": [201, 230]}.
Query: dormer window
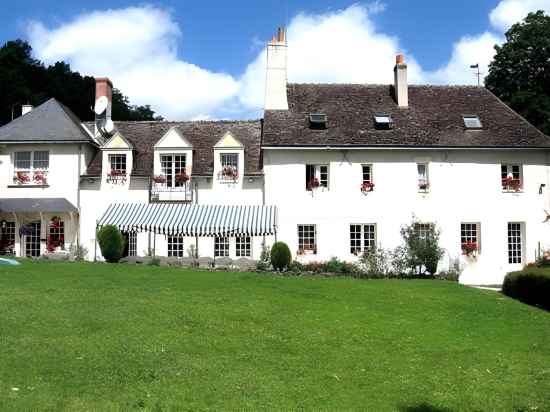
{"type": "Point", "coordinates": [472, 122]}
{"type": "Point", "coordinates": [318, 120]}
{"type": "Point", "coordinates": [229, 166]}
{"type": "Point", "coordinates": [118, 163]}
{"type": "Point", "coordinates": [383, 121]}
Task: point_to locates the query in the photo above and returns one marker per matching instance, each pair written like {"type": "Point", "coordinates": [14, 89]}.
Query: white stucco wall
{"type": "Point", "coordinates": [464, 187]}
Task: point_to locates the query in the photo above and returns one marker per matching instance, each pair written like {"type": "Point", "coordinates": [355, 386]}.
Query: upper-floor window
{"type": "Point", "coordinates": [472, 122]}
{"type": "Point", "coordinates": [31, 167]}
{"type": "Point", "coordinates": [383, 121]}
{"type": "Point", "coordinates": [117, 163]}
{"type": "Point", "coordinates": [173, 169]}
{"type": "Point", "coordinates": [511, 177]}
{"type": "Point", "coordinates": [229, 166]}
{"type": "Point", "coordinates": [422, 177]}
{"type": "Point", "coordinates": [316, 176]}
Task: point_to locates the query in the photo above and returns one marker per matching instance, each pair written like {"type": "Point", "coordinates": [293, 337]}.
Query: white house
{"type": "Point", "coordinates": [331, 170]}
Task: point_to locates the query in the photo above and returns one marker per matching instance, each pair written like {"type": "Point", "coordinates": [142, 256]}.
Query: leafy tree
{"type": "Point", "coordinates": [520, 72]}
{"type": "Point", "coordinates": [111, 243]}
{"type": "Point", "coordinates": [25, 80]}
{"type": "Point", "coordinates": [422, 247]}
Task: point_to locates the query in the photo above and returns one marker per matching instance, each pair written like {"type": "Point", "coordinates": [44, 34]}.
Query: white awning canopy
{"type": "Point", "coordinates": [191, 219]}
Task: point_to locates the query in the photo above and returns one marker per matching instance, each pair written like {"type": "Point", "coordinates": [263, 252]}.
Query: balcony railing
{"type": "Point", "coordinates": [161, 192]}
{"type": "Point", "coordinates": [30, 178]}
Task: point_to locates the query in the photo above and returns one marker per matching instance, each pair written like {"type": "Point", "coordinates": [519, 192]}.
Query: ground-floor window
{"type": "Point", "coordinates": [175, 246]}
{"type": "Point", "coordinates": [221, 246]}
{"type": "Point", "coordinates": [56, 234]}
{"type": "Point", "coordinates": [307, 239]}
{"type": "Point", "coordinates": [243, 246]}
{"type": "Point", "coordinates": [132, 244]}
{"type": "Point", "coordinates": [515, 243]}
{"type": "Point", "coordinates": [470, 237]}
{"type": "Point", "coordinates": [362, 238]}
{"type": "Point", "coordinates": [7, 238]}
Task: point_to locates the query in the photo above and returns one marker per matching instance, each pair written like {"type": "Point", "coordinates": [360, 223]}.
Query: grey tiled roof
{"type": "Point", "coordinates": [49, 122]}
{"type": "Point", "coordinates": [203, 135]}
{"type": "Point", "coordinates": [433, 118]}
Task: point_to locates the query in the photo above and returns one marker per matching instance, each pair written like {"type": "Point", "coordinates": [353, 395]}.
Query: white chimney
{"type": "Point", "coordinates": [401, 85]}
{"type": "Point", "coordinates": [26, 108]}
{"type": "Point", "coordinates": [275, 83]}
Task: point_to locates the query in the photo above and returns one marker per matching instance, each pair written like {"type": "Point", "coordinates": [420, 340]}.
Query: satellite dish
{"type": "Point", "coordinates": [109, 126]}
{"type": "Point", "coordinates": [101, 105]}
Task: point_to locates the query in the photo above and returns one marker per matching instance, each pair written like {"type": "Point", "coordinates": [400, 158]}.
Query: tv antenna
{"type": "Point", "coordinates": [477, 73]}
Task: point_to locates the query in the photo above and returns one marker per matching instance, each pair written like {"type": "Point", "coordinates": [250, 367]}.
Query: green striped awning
{"type": "Point", "coordinates": [191, 219]}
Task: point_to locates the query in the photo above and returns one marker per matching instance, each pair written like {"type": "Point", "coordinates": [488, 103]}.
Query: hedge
{"type": "Point", "coordinates": [280, 256]}
{"type": "Point", "coordinates": [531, 286]}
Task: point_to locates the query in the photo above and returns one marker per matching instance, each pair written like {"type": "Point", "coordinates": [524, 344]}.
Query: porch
{"type": "Point", "coordinates": [32, 227]}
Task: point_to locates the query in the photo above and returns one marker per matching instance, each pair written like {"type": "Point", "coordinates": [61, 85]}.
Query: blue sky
{"type": "Point", "coordinates": [220, 43]}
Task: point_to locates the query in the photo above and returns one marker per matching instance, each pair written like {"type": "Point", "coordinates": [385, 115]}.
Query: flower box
{"type": "Point", "coordinates": [423, 185]}
{"type": "Point", "coordinates": [116, 176]}
{"type": "Point", "coordinates": [228, 173]}
{"type": "Point", "coordinates": [159, 179]}
{"type": "Point", "coordinates": [182, 177]}
{"type": "Point", "coordinates": [39, 178]}
{"type": "Point", "coordinates": [22, 178]}
{"type": "Point", "coordinates": [509, 184]}
{"type": "Point", "coordinates": [470, 249]}
{"type": "Point", "coordinates": [367, 187]}
{"type": "Point", "coordinates": [313, 184]}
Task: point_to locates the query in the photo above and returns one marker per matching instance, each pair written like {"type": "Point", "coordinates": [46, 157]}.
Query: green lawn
{"type": "Point", "coordinates": [117, 337]}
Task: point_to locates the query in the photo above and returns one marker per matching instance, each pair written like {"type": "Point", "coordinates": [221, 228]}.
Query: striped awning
{"type": "Point", "coordinates": [191, 219]}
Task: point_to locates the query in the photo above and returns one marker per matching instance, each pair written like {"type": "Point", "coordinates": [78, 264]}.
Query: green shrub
{"type": "Point", "coordinates": [375, 263]}
{"type": "Point", "coordinates": [280, 256]}
{"type": "Point", "coordinates": [111, 243]}
{"type": "Point", "coordinates": [422, 247]}
{"type": "Point", "coordinates": [339, 266]}
{"type": "Point", "coordinates": [264, 263]}
{"type": "Point", "coordinates": [531, 286]}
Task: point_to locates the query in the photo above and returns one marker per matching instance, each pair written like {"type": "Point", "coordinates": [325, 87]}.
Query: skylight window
{"type": "Point", "coordinates": [318, 120]}
{"type": "Point", "coordinates": [383, 121]}
{"type": "Point", "coordinates": [472, 122]}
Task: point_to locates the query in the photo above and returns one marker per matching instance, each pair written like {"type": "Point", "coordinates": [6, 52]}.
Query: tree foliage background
{"type": "Point", "coordinates": [25, 80]}
{"type": "Point", "coordinates": [520, 71]}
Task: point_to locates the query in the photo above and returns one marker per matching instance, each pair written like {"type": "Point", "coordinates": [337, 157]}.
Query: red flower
{"type": "Point", "coordinates": [313, 183]}
{"type": "Point", "coordinates": [367, 187]}
{"type": "Point", "coordinates": [182, 177]}
{"type": "Point", "coordinates": [469, 247]}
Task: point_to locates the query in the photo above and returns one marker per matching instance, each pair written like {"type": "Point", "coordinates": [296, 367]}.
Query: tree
{"type": "Point", "coordinates": [422, 247]}
{"type": "Point", "coordinates": [111, 243]}
{"type": "Point", "coordinates": [520, 72]}
{"type": "Point", "coordinates": [25, 80]}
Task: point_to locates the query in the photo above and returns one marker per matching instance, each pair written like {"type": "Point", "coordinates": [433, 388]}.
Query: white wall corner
{"type": "Point", "coordinates": [276, 76]}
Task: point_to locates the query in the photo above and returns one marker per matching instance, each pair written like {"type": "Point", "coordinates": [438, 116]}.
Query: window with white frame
{"type": "Point", "coordinates": [470, 236]}
{"type": "Point", "coordinates": [511, 177]}
{"type": "Point", "coordinates": [423, 230]}
{"type": "Point", "coordinates": [175, 246]}
{"type": "Point", "coordinates": [229, 167]}
{"type": "Point", "coordinates": [31, 166]}
{"type": "Point", "coordinates": [316, 176]}
{"type": "Point", "coordinates": [362, 238]}
{"type": "Point", "coordinates": [172, 168]}
{"type": "Point", "coordinates": [422, 176]}
{"type": "Point", "coordinates": [367, 173]}
{"type": "Point", "coordinates": [307, 239]}
{"type": "Point", "coordinates": [221, 246]}
{"type": "Point", "coordinates": [515, 242]}
{"type": "Point", "coordinates": [243, 247]}
{"type": "Point", "coordinates": [132, 244]}
{"type": "Point", "coordinates": [117, 162]}
{"type": "Point", "coordinates": [7, 238]}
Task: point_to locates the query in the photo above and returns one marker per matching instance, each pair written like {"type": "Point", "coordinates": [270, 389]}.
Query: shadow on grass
{"type": "Point", "coordinates": [423, 407]}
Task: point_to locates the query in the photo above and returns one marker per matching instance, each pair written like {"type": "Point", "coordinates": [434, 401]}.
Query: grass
{"type": "Point", "coordinates": [84, 337]}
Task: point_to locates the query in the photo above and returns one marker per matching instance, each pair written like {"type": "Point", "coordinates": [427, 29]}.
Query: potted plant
{"type": "Point", "coordinates": [469, 249]}
{"type": "Point", "coordinates": [181, 177]}
{"type": "Point", "coordinates": [367, 187]}
{"type": "Point", "coordinates": [116, 176]}
{"type": "Point", "coordinates": [229, 173]}
{"type": "Point", "coordinates": [313, 183]}
{"type": "Point", "coordinates": [511, 184]}
{"type": "Point", "coordinates": [160, 179]}
{"type": "Point", "coordinates": [39, 178]}
{"type": "Point", "coordinates": [423, 185]}
{"type": "Point", "coordinates": [22, 178]}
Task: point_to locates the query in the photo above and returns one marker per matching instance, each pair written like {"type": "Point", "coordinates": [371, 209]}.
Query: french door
{"type": "Point", "coordinates": [32, 240]}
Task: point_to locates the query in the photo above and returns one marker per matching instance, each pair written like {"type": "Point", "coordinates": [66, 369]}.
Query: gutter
{"type": "Point", "coordinates": [397, 147]}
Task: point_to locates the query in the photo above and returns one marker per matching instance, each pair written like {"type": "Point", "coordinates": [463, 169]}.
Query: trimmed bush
{"type": "Point", "coordinates": [280, 256]}
{"type": "Point", "coordinates": [111, 243]}
{"type": "Point", "coordinates": [531, 286]}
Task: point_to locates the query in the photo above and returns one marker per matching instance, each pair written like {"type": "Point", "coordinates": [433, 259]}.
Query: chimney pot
{"type": "Point", "coordinates": [400, 59]}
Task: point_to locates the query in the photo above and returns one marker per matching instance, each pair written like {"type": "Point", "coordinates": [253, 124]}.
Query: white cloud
{"type": "Point", "coordinates": [509, 12]}
{"type": "Point", "coordinates": [336, 47]}
{"type": "Point", "coordinates": [137, 48]}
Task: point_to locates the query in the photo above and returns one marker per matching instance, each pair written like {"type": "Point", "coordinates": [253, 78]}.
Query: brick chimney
{"type": "Point", "coordinates": [401, 85]}
{"type": "Point", "coordinates": [275, 84]}
{"type": "Point", "coordinates": [104, 88]}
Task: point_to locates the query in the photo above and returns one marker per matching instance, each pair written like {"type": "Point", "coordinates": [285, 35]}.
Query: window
{"type": "Point", "coordinates": [362, 238]}
{"type": "Point", "coordinates": [316, 176]}
{"type": "Point", "coordinates": [472, 122]}
{"type": "Point", "coordinates": [31, 167]}
{"type": "Point", "coordinates": [56, 235]}
{"type": "Point", "coordinates": [132, 244]}
{"type": "Point", "coordinates": [171, 166]}
{"type": "Point", "coordinates": [423, 230]}
{"type": "Point", "coordinates": [367, 174]}
{"type": "Point", "coordinates": [32, 239]}
{"type": "Point", "coordinates": [470, 234]}
{"type": "Point", "coordinates": [243, 246]}
{"type": "Point", "coordinates": [383, 121]}
{"type": "Point", "coordinates": [511, 177]}
{"type": "Point", "coordinates": [230, 159]}
{"type": "Point", "coordinates": [221, 246]}
{"type": "Point", "coordinates": [318, 120]}
{"type": "Point", "coordinates": [118, 163]}
{"type": "Point", "coordinates": [422, 175]}
{"type": "Point", "coordinates": [175, 246]}
{"type": "Point", "coordinates": [307, 242]}
{"type": "Point", "coordinates": [7, 238]}
{"type": "Point", "coordinates": [515, 243]}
